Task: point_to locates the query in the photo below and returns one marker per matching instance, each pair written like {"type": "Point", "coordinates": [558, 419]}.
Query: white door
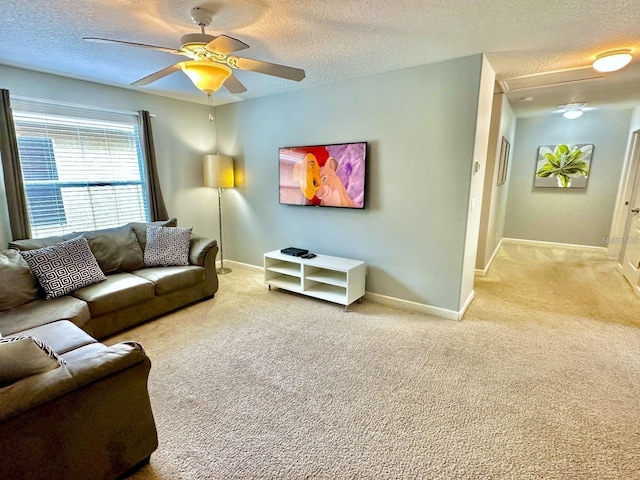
{"type": "Point", "coordinates": [631, 239]}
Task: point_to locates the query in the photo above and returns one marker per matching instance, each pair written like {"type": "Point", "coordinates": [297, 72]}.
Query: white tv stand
{"type": "Point", "coordinates": [335, 279]}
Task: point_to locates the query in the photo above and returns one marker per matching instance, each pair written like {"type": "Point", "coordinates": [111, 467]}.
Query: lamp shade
{"type": "Point", "coordinates": [207, 76]}
{"type": "Point", "coordinates": [218, 171]}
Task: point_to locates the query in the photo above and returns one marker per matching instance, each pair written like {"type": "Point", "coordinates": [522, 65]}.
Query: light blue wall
{"type": "Point", "coordinates": [182, 133]}
{"type": "Point", "coordinates": [420, 125]}
{"type": "Point", "coordinates": [576, 216]}
{"type": "Point", "coordinates": [494, 200]}
{"type": "Point", "coordinates": [635, 119]}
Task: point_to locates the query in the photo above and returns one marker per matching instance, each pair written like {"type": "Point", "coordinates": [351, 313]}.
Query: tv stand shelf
{"type": "Point", "coordinates": [335, 279]}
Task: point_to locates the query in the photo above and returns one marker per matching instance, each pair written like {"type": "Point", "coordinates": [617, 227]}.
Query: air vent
{"type": "Point", "coordinates": [550, 79]}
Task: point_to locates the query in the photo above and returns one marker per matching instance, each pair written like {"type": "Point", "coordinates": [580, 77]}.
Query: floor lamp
{"type": "Point", "coordinates": [218, 173]}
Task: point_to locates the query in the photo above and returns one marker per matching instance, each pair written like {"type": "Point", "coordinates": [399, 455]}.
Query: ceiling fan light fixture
{"type": "Point", "coordinates": [207, 76]}
{"type": "Point", "coordinates": [613, 60]}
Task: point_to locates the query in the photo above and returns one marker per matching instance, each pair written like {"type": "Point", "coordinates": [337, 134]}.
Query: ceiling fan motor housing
{"type": "Point", "coordinates": [195, 42]}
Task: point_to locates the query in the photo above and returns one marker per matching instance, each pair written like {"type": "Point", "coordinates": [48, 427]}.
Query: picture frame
{"type": "Point", "coordinates": [563, 165]}
{"type": "Point", "coordinates": [503, 164]}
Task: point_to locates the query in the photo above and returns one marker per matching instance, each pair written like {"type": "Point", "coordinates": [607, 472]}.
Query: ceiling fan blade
{"type": "Point", "coordinates": [267, 68]}
{"type": "Point", "coordinates": [132, 44]}
{"type": "Point", "coordinates": [157, 75]}
{"type": "Point", "coordinates": [224, 44]}
{"type": "Point", "coordinates": [233, 85]}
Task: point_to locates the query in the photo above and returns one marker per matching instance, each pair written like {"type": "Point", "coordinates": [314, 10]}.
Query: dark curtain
{"type": "Point", "coordinates": [16, 198]}
{"type": "Point", "coordinates": [156, 202]}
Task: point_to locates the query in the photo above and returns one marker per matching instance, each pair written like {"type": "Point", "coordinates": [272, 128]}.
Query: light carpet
{"type": "Point", "coordinates": [541, 380]}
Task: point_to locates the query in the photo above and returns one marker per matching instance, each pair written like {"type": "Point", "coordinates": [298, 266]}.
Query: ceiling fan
{"type": "Point", "coordinates": [210, 62]}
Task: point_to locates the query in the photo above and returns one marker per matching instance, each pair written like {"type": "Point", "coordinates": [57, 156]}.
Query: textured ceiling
{"type": "Point", "coordinates": [333, 40]}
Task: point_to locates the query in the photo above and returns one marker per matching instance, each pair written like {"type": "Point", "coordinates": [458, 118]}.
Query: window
{"type": "Point", "coordinates": [44, 201]}
{"type": "Point", "coordinates": [80, 173]}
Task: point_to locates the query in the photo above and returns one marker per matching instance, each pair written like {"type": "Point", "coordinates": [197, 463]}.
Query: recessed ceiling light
{"type": "Point", "coordinates": [613, 60]}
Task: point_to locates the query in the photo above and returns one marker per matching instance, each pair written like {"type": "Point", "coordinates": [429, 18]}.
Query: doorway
{"type": "Point", "coordinates": [629, 258]}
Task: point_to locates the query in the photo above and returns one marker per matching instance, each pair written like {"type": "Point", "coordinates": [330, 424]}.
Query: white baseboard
{"type": "Point", "coordinates": [242, 265]}
{"type": "Point", "coordinates": [483, 272]}
{"type": "Point", "coordinates": [466, 304]}
{"type": "Point", "coordinates": [394, 302]}
{"type": "Point", "coordinates": [408, 305]}
{"type": "Point", "coordinates": [538, 243]}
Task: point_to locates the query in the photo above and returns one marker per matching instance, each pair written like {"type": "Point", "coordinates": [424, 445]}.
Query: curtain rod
{"type": "Point", "coordinates": [75, 105]}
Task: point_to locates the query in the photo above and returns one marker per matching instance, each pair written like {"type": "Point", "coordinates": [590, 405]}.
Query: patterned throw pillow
{"type": "Point", "coordinates": [64, 267]}
{"type": "Point", "coordinates": [23, 356]}
{"type": "Point", "coordinates": [167, 246]}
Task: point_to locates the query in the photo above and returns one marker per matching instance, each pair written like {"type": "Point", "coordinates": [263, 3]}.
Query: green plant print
{"type": "Point", "coordinates": [564, 162]}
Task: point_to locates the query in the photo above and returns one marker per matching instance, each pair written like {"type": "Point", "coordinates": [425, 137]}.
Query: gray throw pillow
{"type": "Point", "coordinates": [34, 243]}
{"type": "Point", "coordinates": [167, 246]}
{"type": "Point", "coordinates": [23, 356]}
{"type": "Point", "coordinates": [64, 267]}
{"type": "Point", "coordinates": [116, 249]}
{"type": "Point", "coordinates": [17, 283]}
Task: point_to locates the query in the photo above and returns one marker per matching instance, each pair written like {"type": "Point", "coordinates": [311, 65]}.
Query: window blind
{"type": "Point", "coordinates": [80, 173]}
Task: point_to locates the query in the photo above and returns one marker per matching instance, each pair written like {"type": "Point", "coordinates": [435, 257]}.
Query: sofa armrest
{"type": "Point", "coordinates": [198, 249]}
{"type": "Point", "coordinates": [31, 392]}
{"type": "Point", "coordinates": [94, 414]}
{"type": "Point", "coordinates": [203, 252]}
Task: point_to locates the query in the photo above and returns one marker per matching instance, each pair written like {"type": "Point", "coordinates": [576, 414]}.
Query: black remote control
{"type": "Point", "coordinates": [309, 255]}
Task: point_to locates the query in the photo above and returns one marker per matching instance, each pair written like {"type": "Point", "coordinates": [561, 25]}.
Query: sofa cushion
{"type": "Point", "coordinates": [62, 336]}
{"type": "Point", "coordinates": [167, 246]}
{"type": "Point", "coordinates": [64, 267]}
{"type": "Point", "coordinates": [22, 356]}
{"type": "Point", "coordinates": [18, 285]}
{"type": "Point", "coordinates": [41, 311]}
{"type": "Point", "coordinates": [116, 249]}
{"type": "Point", "coordinates": [84, 353]}
{"type": "Point", "coordinates": [140, 229]}
{"type": "Point", "coordinates": [170, 279]}
{"type": "Point", "coordinates": [120, 290]}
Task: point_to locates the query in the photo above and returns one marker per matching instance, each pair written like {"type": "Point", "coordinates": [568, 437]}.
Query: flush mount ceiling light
{"type": "Point", "coordinates": [571, 110]}
{"type": "Point", "coordinates": [572, 114]}
{"type": "Point", "coordinates": [613, 60]}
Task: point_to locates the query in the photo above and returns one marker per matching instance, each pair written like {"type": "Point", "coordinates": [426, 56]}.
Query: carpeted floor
{"type": "Point", "coordinates": [541, 380]}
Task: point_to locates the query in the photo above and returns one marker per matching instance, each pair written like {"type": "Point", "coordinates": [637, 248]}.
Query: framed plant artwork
{"type": "Point", "coordinates": [563, 165]}
{"type": "Point", "coordinates": [503, 164]}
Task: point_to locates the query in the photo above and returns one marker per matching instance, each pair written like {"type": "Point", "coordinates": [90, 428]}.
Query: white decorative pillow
{"type": "Point", "coordinates": [64, 267]}
{"type": "Point", "coordinates": [23, 356]}
{"type": "Point", "coordinates": [167, 246]}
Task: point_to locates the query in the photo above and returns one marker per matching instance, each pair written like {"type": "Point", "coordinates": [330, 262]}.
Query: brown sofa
{"type": "Point", "coordinates": [130, 295]}
{"type": "Point", "coordinates": [90, 418]}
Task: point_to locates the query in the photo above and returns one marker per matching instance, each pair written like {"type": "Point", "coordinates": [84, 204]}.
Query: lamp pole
{"type": "Point", "coordinates": [222, 269]}
{"type": "Point", "coordinates": [218, 173]}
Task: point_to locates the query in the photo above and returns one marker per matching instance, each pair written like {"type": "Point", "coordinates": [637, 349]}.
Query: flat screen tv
{"type": "Point", "coordinates": [323, 175]}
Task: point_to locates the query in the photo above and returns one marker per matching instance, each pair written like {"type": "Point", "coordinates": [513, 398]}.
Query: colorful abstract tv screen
{"type": "Point", "coordinates": [323, 175]}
